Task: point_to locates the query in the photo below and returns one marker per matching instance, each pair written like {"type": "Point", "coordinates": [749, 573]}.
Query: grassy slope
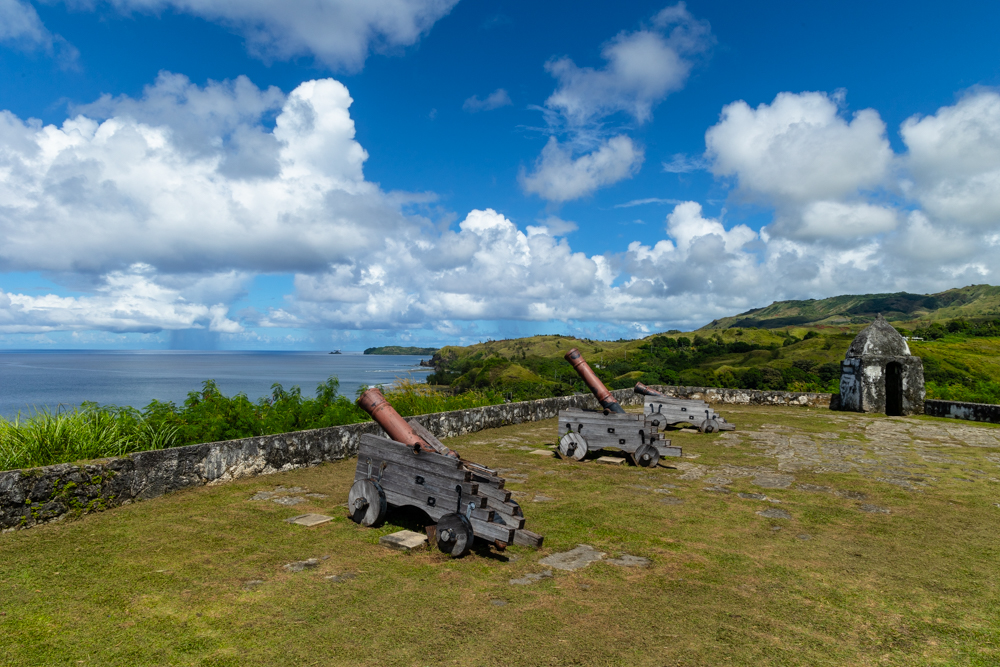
{"type": "Point", "coordinates": [903, 308]}
{"type": "Point", "coordinates": [163, 581]}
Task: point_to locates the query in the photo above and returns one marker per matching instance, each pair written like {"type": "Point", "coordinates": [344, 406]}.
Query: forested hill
{"type": "Point", "coordinates": [972, 302]}
{"type": "Point", "coordinates": [396, 349]}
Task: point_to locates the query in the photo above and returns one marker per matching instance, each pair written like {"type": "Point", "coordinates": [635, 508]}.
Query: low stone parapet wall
{"type": "Point", "coordinates": [39, 495]}
{"type": "Point", "coordinates": [750, 396]}
{"type": "Point", "coordinates": [977, 412]}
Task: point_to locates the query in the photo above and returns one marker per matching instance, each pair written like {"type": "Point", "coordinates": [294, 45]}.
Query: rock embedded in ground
{"type": "Point", "coordinates": [531, 578]}
{"type": "Point", "coordinates": [288, 500]}
{"type": "Point", "coordinates": [773, 481]}
{"type": "Point", "coordinates": [672, 501]}
{"type": "Point", "coordinates": [498, 603]}
{"type": "Point", "coordinates": [541, 499]}
{"type": "Point", "coordinates": [774, 513]}
{"type": "Point", "coordinates": [579, 557]}
{"type": "Point", "coordinates": [803, 537]}
{"type": "Point", "coordinates": [262, 495]}
{"type": "Point", "coordinates": [253, 584]}
{"type": "Point", "coordinates": [716, 489]}
{"type": "Point", "coordinates": [874, 509]}
{"type": "Point", "coordinates": [852, 495]}
{"type": "Point", "coordinates": [627, 560]}
{"type": "Point", "coordinates": [340, 578]}
{"type": "Point", "coordinates": [813, 488]}
{"type": "Point", "coordinates": [404, 540]}
{"type": "Point", "coordinates": [752, 496]}
{"type": "Point", "coordinates": [300, 565]}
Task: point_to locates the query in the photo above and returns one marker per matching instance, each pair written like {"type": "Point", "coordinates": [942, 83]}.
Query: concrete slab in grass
{"type": "Point", "coordinates": [542, 452]}
{"type": "Point", "coordinates": [611, 461]}
{"type": "Point", "coordinates": [404, 540]}
{"type": "Point", "coordinates": [309, 519]}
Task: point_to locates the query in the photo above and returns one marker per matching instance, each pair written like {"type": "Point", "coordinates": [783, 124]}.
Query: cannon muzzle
{"type": "Point", "coordinates": [642, 389]}
{"type": "Point", "coordinates": [597, 387]}
{"type": "Point", "coordinates": [397, 428]}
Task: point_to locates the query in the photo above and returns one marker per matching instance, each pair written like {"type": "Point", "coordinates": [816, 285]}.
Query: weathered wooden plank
{"type": "Point", "coordinates": [400, 500]}
{"type": "Point", "coordinates": [492, 531]}
{"type": "Point", "coordinates": [406, 483]}
{"type": "Point", "coordinates": [527, 538]}
{"type": "Point", "coordinates": [668, 450]}
{"type": "Point", "coordinates": [584, 417]}
{"type": "Point", "coordinates": [483, 514]}
{"type": "Point", "coordinates": [428, 437]}
{"type": "Point", "coordinates": [488, 480]}
{"type": "Point", "coordinates": [512, 521]}
{"type": "Point", "coordinates": [505, 508]}
{"type": "Point", "coordinates": [419, 463]}
{"type": "Point", "coordinates": [431, 458]}
{"type": "Point", "coordinates": [495, 494]}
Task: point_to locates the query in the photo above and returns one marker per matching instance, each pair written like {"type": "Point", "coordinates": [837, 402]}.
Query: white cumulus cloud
{"type": "Point", "coordinates": [189, 179]}
{"type": "Point", "coordinates": [558, 176]}
{"type": "Point", "coordinates": [338, 33]}
{"type": "Point", "coordinates": [643, 67]}
{"type": "Point", "coordinates": [954, 158]}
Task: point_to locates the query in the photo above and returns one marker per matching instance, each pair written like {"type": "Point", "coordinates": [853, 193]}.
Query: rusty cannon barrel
{"type": "Point", "coordinates": [397, 428]}
{"type": "Point", "coordinates": [600, 392]}
{"type": "Point", "coordinates": [643, 390]}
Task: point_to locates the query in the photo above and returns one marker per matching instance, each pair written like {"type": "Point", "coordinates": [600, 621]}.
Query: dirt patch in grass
{"type": "Point", "coordinates": [198, 578]}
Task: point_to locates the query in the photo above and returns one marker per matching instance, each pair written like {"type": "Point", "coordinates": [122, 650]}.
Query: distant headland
{"type": "Point", "coordinates": [396, 349]}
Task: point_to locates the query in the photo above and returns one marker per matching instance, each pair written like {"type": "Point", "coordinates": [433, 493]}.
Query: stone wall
{"type": "Point", "coordinates": [39, 495]}
{"type": "Point", "coordinates": [977, 412]}
{"type": "Point", "coordinates": [750, 396]}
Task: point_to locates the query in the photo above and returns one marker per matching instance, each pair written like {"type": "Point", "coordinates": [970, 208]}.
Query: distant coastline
{"type": "Point", "coordinates": [396, 349]}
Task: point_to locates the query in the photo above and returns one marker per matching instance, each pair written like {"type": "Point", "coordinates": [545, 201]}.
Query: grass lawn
{"type": "Point", "coordinates": [890, 557]}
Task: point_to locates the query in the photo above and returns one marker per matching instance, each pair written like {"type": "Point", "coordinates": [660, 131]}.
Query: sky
{"type": "Point", "coordinates": [339, 174]}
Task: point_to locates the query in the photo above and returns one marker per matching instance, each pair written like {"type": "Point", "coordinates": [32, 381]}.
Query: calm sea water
{"type": "Point", "coordinates": [50, 379]}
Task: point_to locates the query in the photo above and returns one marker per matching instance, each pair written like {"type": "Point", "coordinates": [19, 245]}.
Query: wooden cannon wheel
{"type": "Point", "coordinates": [709, 426]}
{"type": "Point", "coordinates": [573, 445]}
{"type": "Point", "coordinates": [454, 535]}
{"type": "Point", "coordinates": [366, 502]}
{"type": "Point", "coordinates": [646, 456]}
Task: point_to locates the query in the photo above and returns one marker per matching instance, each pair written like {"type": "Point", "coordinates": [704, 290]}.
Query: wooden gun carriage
{"type": "Point", "coordinates": [465, 499]}
{"type": "Point", "coordinates": [583, 431]}
{"type": "Point", "coordinates": [661, 410]}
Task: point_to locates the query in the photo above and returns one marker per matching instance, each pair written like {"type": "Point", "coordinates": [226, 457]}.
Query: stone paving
{"type": "Point", "coordinates": [908, 453]}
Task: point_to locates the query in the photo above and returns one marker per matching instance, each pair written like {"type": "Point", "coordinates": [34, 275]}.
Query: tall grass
{"type": "Point", "coordinates": [93, 431]}
{"type": "Point", "coordinates": [88, 432]}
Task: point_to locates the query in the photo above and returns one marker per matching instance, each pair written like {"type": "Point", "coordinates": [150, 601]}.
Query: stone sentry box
{"type": "Point", "coordinates": [880, 375]}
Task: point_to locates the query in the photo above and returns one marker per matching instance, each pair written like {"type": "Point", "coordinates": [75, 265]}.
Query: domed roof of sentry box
{"type": "Point", "coordinates": [879, 339]}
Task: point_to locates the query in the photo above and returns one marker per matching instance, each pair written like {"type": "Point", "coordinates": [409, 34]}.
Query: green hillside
{"type": "Point", "coordinates": [961, 360]}
{"type": "Point", "coordinates": [396, 349]}
{"type": "Point", "coordinates": [910, 310]}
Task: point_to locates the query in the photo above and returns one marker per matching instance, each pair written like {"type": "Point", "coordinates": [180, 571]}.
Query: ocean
{"type": "Point", "coordinates": [55, 379]}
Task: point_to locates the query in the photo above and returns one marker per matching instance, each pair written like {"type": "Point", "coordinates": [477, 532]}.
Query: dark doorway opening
{"type": "Point", "coordinates": [893, 389]}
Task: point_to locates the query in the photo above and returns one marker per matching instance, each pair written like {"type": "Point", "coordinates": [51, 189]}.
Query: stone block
{"type": "Point", "coordinates": [309, 519]}
{"type": "Point", "coordinates": [404, 540]}
{"type": "Point", "coordinates": [611, 461]}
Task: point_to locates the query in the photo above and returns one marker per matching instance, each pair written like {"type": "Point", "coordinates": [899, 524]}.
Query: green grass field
{"type": "Point", "coordinates": [842, 582]}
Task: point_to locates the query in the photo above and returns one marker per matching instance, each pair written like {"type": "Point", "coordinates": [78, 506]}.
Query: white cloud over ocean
{"type": "Point", "coordinates": [161, 209]}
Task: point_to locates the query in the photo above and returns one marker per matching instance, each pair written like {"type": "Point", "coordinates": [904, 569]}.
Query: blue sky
{"type": "Point", "coordinates": [242, 174]}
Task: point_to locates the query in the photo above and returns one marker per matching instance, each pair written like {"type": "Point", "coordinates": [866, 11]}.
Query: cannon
{"type": "Point", "coordinates": [583, 431]}
{"type": "Point", "coordinates": [413, 468]}
{"type": "Point", "coordinates": [662, 410]}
